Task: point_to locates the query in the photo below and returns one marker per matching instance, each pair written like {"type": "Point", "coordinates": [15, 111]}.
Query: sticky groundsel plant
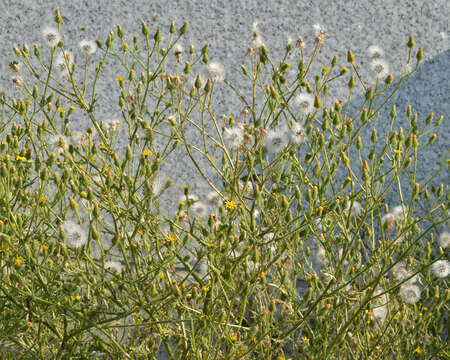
{"type": "Point", "coordinates": [293, 254]}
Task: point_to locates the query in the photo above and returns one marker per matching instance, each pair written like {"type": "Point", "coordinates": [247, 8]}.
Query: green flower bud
{"type": "Point", "coordinates": [120, 32]}
{"type": "Point", "coordinates": [157, 37]}
{"type": "Point", "coordinates": [429, 119]}
{"type": "Point", "coordinates": [419, 55]}
{"type": "Point", "coordinates": [350, 57]}
{"type": "Point", "coordinates": [334, 61]}
{"type": "Point", "coordinates": [183, 29]}
{"type": "Point", "coordinates": [432, 139]}
{"type": "Point", "coordinates": [37, 52]}
{"type": "Point", "coordinates": [411, 42]}
{"type": "Point", "coordinates": [393, 112]}
{"type": "Point", "coordinates": [351, 83]}
{"type": "Point", "coordinates": [144, 28]}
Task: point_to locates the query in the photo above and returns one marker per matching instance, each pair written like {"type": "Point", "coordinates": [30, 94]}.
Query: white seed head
{"type": "Point", "coordinates": [215, 71]}
{"type": "Point", "coordinates": [298, 134]}
{"type": "Point", "coordinates": [233, 137]}
{"type": "Point", "coordinates": [75, 235]}
{"type": "Point", "coordinates": [214, 199]}
{"type": "Point", "coordinates": [388, 219]}
{"type": "Point", "coordinates": [410, 293]}
{"type": "Point", "coordinates": [402, 272]}
{"type": "Point", "coordinates": [88, 47]}
{"type": "Point", "coordinates": [51, 36]}
{"type": "Point", "coordinates": [379, 313]}
{"type": "Point", "coordinates": [321, 255]}
{"type": "Point", "coordinates": [275, 141]}
{"type": "Point", "coordinates": [379, 67]}
{"type": "Point", "coordinates": [57, 143]}
{"type": "Point", "coordinates": [444, 240]}
{"type": "Point", "coordinates": [356, 208]}
{"type": "Point", "coordinates": [304, 103]}
{"type": "Point", "coordinates": [61, 61]}
{"type": "Point", "coordinates": [191, 197]}
{"type": "Point", "coordinates": [198, 209]}
{"type": "Point", "coordinates": [375, 52]}
{"type": "Point", "coordinates": [177, 49]}
{"type": "Point", "coordinates": [398, 213]}
{"type": "Point", "coordinates": [441, 268]}
{"type": "Point", "coordinates": [114, 266]}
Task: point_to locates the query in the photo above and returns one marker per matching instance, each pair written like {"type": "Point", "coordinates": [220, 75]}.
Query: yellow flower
{"type": "Point", "coordinates": [147, 153]}
{"type": "Point", "coordinates": [230, 204]}
{"type": "Point", "coordinates": [20, 158]}
{"type": "Point", "coordinates": [345, 69]}
{"type": "Point", "coordinates": [419, 350]}
{"type": "Point", "coordinates": [324, 69]}
{"type": "Point", "coordinates": [161, 276]}
{"type": "Point", "coordinates": [205, 288]}
{"type": "Point", "coordinates": [170, 238]}
{"type": "Point", "coordinates": [18, 261]}
{"type": "Point", "coordinates": [120, 79]}
{"type": "Point", "coordinates": [111, 283]}
{"type": "Point", "coordinates": [44, 247]}
{"type": "Point", "coordinates": [83, 194]}
{"type": "Point", "coordinates": [72, 107]}
{"type": "Point", "coordinates": [305, 339]}
{"type": "Point", "coordinates": [233, 337]}
{"type": "Point", "coordinates": [78, 297]}
{"type": "Point", "coordinates": [61, 110]}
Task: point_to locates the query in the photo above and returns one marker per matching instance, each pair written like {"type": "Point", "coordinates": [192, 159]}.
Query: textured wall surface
{"type": "Point", "coordinates": [227, 26]}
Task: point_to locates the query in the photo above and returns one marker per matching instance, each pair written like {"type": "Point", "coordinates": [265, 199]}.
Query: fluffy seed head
{"type": "Point", "coordinates": [304, 103]}
{"type": "Point", "coordinates": [356, 208]}
{"type": "Point", "coordinates": [199, 209]}
{"type": "Point", "coordinates": [51, 36]}
{"type": "Point", "coordinates": [398, 213]}
{"type": "Point", "coordinates": [214, 199]}
{"type": "Point", "coordinates": [61, 61]}
{"type": "Point", "coordinates": [233, 137]}
{"type": "Point", "coordinates": [215, 71]}
{"type": "Point", "coordinates": [410, 293]}
{"type": "Point", "coordinates": [401, 272]}
{"type": "Point", "coordinates": [298, 134]}
{"type": "Point", "coordinates": [88, 47]}
{"type": "Point", "coordinates": [441, 268]}
{"type": "Point", "coordinates": [75, 235]}
{"type": "Point", "coordinates": [444, 240]}
{"type": "Point", "coordinates": [114, 266]}
{"type": "Point", "coordinates": [379, 67]}
{"type": "Point", "coordinates": [275, 141]}
{"type": "Point", "coordinates": [375, 52]}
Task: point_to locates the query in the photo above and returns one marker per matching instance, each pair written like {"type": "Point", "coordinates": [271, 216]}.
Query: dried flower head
{"type": "Point", "coordinates": [304, 103]}
{"type": "Point", "coordinates": [375, 52]}
{"type": "Point", "coordinates": [321, 255]}
{"type": "Point", "coordinates": [215, 71]}
{"type": "Point", "coordinates": [379, 67]}
{"type": "Point", "coordinates": [75, 235]}
{"type": "Point", "coordinates": [441, 268]}
{"type": "Point", "coordinates": [88, 47]}
{"type": "Point", "coordinates": [298, 134]}
{"type": "Point", "coordinates": [388, 219]}
{"type": "Point", "coordinates": [257, 43]}
{"type": "Point", "coordinates": [444, 240]}
{"type": "Point", "coordinates": [112, 124]}
{"type": "Point", "coordinates": [275, 141]}
{"type": "Point", "coordinates": [17, 81]}
{"type": "Point", "coordinates": [14, 66]}
{"type": "Point", "coordinates": [51, 36]}
{"type": "Point", "coordinates": [320, 33]}
{"type": "Point", "coordinates": [178, 51]}
{"type": "Point", "coordinates": [233, 137]}
{"type": "Point", "coordinates": [410, 293]}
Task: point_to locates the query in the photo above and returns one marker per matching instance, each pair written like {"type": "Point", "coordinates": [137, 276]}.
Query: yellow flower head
{"type": "Point", "coordinates": [230, 204]}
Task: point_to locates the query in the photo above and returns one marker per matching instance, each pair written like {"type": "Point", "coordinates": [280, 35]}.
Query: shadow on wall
{"type": "Point", "coordinates": [427, 90]}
